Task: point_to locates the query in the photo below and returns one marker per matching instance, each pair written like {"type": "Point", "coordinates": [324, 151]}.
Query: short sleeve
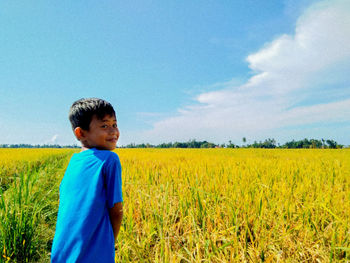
{"type": "Point", "coordinates": [113, 180]}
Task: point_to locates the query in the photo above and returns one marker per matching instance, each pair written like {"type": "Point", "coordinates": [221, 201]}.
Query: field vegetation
{"type": "Point", "coordinates": [29, 201]}
{"type": "Point", "coordinates": [196, 205]}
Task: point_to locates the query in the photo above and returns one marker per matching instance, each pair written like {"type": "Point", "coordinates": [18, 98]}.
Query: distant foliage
{"type": "Point", "coordinates": [269, 143]}
{"type": "Point", "coordinates": [313, 143]}
{"type": "Point", "coordinates": [189, 144]}
{"type": "Point", "coordinates": [24, 145]}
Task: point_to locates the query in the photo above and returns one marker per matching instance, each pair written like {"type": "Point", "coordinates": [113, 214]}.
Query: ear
{"type": "Point", "coordinates": [79, 133]}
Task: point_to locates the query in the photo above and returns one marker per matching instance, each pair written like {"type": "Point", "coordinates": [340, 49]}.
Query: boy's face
{"type": "Point", "coordinates": [103, 133]}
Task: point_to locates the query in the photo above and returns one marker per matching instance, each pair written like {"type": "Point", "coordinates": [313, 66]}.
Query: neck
{"type": "Point", "coordinates": [84, 148]}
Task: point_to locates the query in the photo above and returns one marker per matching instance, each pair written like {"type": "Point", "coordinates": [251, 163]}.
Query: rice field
{"type": "Point", "coordinates": [195, 205]}
{"type": "Point", "coordinates": [16, 161]}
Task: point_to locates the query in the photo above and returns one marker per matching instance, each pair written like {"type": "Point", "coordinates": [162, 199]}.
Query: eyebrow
{"type": "Point", "coordinates": [108, 120]}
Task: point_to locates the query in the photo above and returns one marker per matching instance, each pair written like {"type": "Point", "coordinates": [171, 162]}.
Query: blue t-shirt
{"type": "Point", "coordinates": [90, 186]}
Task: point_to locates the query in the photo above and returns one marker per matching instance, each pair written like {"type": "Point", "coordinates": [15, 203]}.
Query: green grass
{"type": "Point", "coordinates": [28, 211]}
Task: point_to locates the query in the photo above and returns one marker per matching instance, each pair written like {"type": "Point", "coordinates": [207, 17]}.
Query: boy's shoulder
{"type": "Point", "coordinates": [106, 156]}
{"type": "Point", "coordinates": [104, 152]}
{"type": "Point", "coordinates": [103, 155]}
{"type": "Point", "coordinates": [94, 157]}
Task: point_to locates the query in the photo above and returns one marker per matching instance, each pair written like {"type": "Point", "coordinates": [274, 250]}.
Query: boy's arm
{"type": "Point", "coordinates": [116, 215]}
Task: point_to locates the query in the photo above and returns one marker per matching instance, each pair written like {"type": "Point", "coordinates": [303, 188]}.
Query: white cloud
{"type": "Point", "coordinates": [53, 140]}
{"type": "Point", "coordinates": [285, 71]}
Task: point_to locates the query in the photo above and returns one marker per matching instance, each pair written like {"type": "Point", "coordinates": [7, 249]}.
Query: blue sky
{"type": "Point", "coordinates": [177, 70]}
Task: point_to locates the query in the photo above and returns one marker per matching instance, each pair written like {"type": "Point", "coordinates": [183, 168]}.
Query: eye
{"type": "Point", "coordinates": [115, 125]}
{"type": "Point", "coordinates": [104, 126]}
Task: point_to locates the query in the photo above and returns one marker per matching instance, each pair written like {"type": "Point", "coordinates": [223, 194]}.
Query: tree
{"type": "Point", "coordinates": [230, 144]}
{"type": "Point", "coordinates": [268, 144]}
{"type": "Point", "coordinates": [244, 141]}
{"type": "Point", "coordinates": [332, 144]}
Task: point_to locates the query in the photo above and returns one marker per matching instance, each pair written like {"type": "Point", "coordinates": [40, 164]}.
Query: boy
{"type": "Point", "coordinates": [90, 209]}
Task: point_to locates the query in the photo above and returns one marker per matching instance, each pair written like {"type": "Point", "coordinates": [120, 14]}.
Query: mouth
{"type": "Point", "coordinates": [112, 140]}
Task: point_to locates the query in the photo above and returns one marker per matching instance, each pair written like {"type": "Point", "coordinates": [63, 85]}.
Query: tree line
{"type": "Point", "coordinates": [268, 144]}
{"type": "Point", "coordinates": [25, 145]}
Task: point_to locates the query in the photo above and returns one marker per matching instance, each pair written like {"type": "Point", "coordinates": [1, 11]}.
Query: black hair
{"type": "Point", "coordinates": [82, 111]}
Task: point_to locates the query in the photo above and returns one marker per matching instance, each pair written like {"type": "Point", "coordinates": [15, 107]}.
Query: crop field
{"type": "Point", "coordinates": [193, 205]}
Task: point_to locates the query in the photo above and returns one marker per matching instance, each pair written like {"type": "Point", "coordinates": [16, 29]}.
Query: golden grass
{"type": "Point", "coordinates": [235, 205]}
{"type": "Point", "coordinates": [223, 205]}
{"type": "Point", "coordinates": [14, 161]}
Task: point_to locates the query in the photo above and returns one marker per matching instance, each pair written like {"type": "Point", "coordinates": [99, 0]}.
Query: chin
{"type": "Point", "coordinates": [111, 147]}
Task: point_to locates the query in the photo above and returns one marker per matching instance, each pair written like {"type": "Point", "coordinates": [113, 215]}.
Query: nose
{"type": "Point", "coordinates": [117, 133]}
{"type": "Point", "coordinates": [113, 130]}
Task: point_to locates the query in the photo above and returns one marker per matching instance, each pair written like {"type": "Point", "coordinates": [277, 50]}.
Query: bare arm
{"type": "Point", "coordinates": [116, 215]}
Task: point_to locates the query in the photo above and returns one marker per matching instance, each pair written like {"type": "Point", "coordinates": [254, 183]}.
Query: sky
{"type": "Point", "coordinates": [177, 70]}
